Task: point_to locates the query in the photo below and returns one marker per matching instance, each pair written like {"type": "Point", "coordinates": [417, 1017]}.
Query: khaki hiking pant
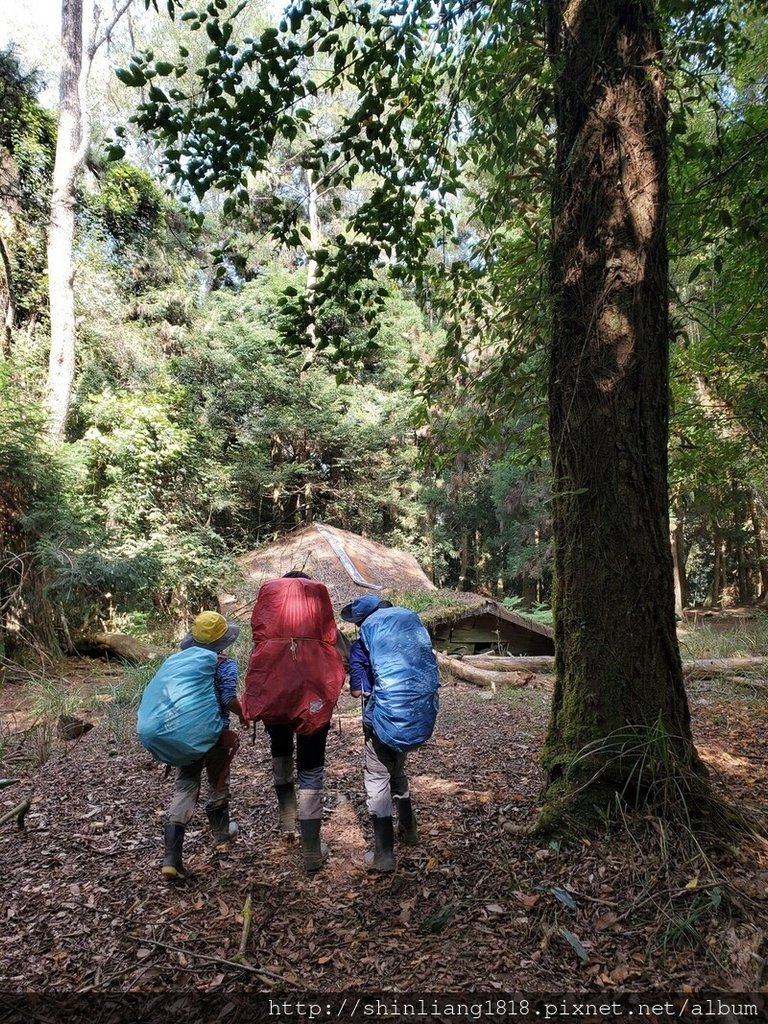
{"type": "Point", "coordinates": [187, 789]}
{"type": "Point", "coordinates": [383, 775]}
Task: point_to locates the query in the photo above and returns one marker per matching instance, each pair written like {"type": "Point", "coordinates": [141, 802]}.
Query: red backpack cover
{"type": "Point", "coordinates": [295, 672]}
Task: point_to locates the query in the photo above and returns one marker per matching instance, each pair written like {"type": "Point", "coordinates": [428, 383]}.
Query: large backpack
{"type": "Point", "coordinates": [179, 717]}
{"type": "Point", "coordinates": [406, 678]}
{"type": "Point", "coordinates": [295, 672]}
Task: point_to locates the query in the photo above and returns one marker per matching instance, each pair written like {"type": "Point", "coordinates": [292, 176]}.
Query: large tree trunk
{"type": "Point", "coordinates": [619, 677]}
{"type": "Point", "coordinates": [61, 233]}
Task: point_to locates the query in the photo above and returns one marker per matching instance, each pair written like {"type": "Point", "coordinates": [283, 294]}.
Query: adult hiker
{"type": "Point", "coordinates": [183, 720]}
{"type": "Point", "coordinates": [392, 667]}
{"type": "Point", "coordinates": [294, 679]}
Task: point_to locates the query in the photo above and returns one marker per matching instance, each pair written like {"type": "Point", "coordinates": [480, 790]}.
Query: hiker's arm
{"type": "Point", "coordinates": [227, 676]}
{"type": "Point", "coordinates": [359, 670]}
{"type": "Point", "coordinates": [236, 709]}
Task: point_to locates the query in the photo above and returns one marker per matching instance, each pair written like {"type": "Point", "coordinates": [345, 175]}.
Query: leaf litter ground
{"type": "Point", "coordinates": [478, 906]}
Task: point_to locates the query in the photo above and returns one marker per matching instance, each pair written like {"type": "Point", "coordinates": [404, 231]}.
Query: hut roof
{"type": "Point", "coordinates": [348, 564]}
{"type": "Point", "coordinates": [459, 605]}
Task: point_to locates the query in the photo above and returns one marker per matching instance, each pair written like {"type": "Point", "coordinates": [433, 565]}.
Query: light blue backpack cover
{"type": "Point", "coordinates": [179, 717]}
{"type": "Point", "coordinates": [406, 678]}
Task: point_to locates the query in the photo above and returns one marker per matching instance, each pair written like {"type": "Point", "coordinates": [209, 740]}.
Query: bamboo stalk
{"type": "Point", "coordinates": [247, 918]}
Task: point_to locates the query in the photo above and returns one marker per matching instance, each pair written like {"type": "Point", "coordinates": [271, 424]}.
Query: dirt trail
{"type": "Point", "coordinates": [476, 907]}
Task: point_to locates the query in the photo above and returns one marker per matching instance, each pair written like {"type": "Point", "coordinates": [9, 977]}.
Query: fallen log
{"type": "Point", "coordinates": [489, 672]}
{"type": "Point", "coordinates": [705, 668]}
{"type": "Point", "coordinates": [509, 663]}
{"type": "Point", "coordinates": [121, 646]}
{"type": "Point", "coordinates": [481, 677]}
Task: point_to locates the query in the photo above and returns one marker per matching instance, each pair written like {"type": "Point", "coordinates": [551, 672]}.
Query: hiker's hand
{"type": "Point", "coordinates": [355, 693]}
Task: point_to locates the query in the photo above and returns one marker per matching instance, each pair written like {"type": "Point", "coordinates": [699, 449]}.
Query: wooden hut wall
{"type": "Point", "coordinates": [475, 633]}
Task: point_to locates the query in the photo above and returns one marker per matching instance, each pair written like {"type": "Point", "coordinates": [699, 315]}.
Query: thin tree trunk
{"type": "Point", "coordinates": [72, 141]}
{"type": "Point", "coordinates": [9, 319]}
{"type": "Point", "coordinates": [619, 675]}
{"type": "Point", "coordinates": [677, 544]}
{"type": "Point", "coordinates": [464, 559]}
{"type": "Point", "coordinates": [61, 233]}
{"type": "Point", "coordinates": [762, 561]}
{"type": "Point", "coordinates": [315, 233]}
{"type": "Point", "coordinates": [742, 572]}
{"type": "Point", "coordinates": [717, 571]}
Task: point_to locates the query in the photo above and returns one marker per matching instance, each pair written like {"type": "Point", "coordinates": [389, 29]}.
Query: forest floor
{"type": "Point", "coordinates": [479, 906]}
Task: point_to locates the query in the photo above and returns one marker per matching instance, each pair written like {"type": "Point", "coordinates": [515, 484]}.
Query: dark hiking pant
{"type": "Point", "coordinates": [310, 753]}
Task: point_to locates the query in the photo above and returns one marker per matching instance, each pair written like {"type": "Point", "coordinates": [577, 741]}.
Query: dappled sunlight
{"type": "Point", "coordinates": [433, 786]}
{"type": "Point", "coordinates": [732, 766]}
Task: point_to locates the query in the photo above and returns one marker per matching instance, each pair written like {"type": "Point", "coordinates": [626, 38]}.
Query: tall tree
{"type": "Point", "coordinates": [619, 678]}
{"type": "Point", "coordinates": [72, 142]}
{"type": "Point", "coordinates": [488, 107]}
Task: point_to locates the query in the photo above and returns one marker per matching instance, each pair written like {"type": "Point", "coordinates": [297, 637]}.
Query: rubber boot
{"type": "Point", "coordinates": [382, 858]}
{"type": "Point", "coordinates": [286, 802]}
{"type": "Point", "coordinates": [174, 841]}
{"type": "Point", "coordinates": [282, 772]}
{"type": "Point", "coordinates": [407, 833]}
{"type": "Point", "coordinates": [224, 830]}
{"type": "Point", "coordinates": [314, 851]}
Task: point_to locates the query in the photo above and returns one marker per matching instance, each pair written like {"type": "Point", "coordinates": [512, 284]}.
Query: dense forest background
{"type": "Point", "coordinates": [198, 429]}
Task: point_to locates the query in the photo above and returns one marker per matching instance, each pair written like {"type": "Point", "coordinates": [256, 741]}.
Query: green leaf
{"type": "Point", "coordinates": [696, 271]}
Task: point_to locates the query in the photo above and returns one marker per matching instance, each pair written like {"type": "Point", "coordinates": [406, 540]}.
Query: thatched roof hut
{"type": "Point", "coordinates": [471, 624]}
{"type": "Point", "coordinates": [348, 564]}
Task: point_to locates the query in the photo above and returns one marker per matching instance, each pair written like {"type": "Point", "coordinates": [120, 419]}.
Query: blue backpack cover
{"type": "Point", "coordinates": [179, 717]}
{"type": "Point", "coordinates": [406, 678]}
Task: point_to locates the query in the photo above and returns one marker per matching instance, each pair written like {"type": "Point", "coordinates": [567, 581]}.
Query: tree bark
{"type": "Point", "coordinates": [619, 675]}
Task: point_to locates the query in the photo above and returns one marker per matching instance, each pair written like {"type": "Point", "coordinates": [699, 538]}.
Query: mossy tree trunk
{"type": "Point", "coordinates": [619, 676]}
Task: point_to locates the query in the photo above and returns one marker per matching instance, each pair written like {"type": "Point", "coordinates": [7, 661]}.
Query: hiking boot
{"type": "Point", "coordinates": [314, 851]}
{"type": "Point", "coordinates": [382, 858]}
{"type": "Point", "coordinates": [286, 802]}
{"type": "Point", "coordinates": [224, 830]}
{"type": "Point", "coordinates": [174, 841]}
{"type": "Point", "coordinates": [407, 833]}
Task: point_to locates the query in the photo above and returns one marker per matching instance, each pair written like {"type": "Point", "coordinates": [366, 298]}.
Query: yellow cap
{"type": "Point", "coordinates": [209, 627]}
